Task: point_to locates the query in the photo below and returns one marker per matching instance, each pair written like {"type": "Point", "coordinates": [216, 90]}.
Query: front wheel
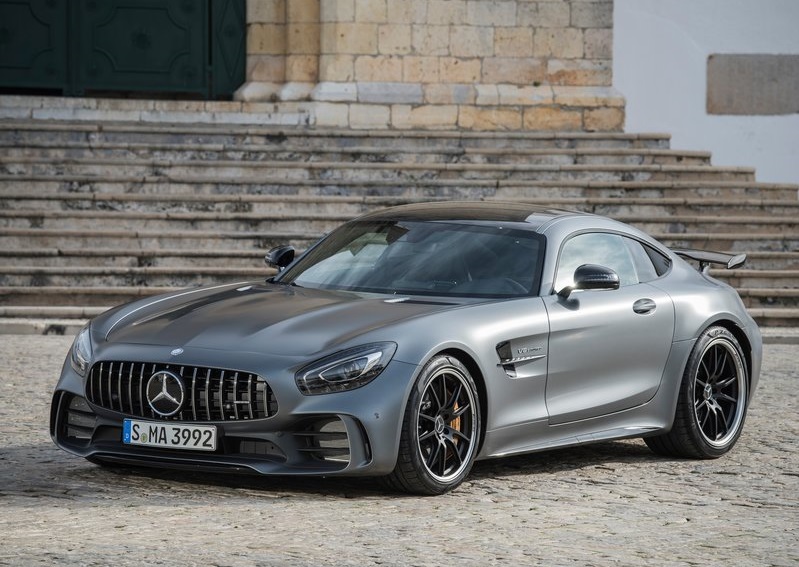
{"type": "Point", "coordinates": [711, 407]}
{"type": "Point", "coordinates": [440, 430]}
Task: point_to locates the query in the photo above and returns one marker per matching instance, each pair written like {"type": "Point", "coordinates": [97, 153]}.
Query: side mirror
{"type": "Point", "coordinates": [279, 257]}
{"type": "Point", "coordinates": [592, 276]}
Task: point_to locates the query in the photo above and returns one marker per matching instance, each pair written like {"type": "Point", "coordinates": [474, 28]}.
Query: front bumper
{"type": "Point", "coordinates": [347, 433]}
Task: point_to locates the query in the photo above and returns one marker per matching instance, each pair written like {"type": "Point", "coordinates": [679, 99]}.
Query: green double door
{"type": "Point", "coordinates": [77, 47]}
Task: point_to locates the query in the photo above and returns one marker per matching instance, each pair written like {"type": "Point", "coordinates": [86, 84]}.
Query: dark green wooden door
{"type": "Point", "coordinates": [33, 40]}
{"type": "Point", "coordinates": [186, 47]}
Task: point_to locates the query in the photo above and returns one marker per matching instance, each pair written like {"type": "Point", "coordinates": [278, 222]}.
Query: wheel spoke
{"type": "Point", "coordinates": [461, 435]}
{"type": "Point", "coordinates": [453, 399]}
{"type": "Point", "coordinates": [443, 459]}
{"type": "Point", "coordinates": [726, 398]}
{"type": "Point", "coordinates": [435, 395]}
{"type": "Point", "coordinates": [426, 436]}
{"type": "Point", "coordinates": [433, 456]}
{"type": "Point", "coordinates": [726, 382]}
{"type": "Point", "coordinates": [703, 366]}
{"type": "Point", "coordinates": [460, 411]}
{"type": "Point", "coordinates": [718, 360]}
{"type": "Point", "coordinates": [704, 418]}
{"type": "Point", "coordinates": [728, 417]}
{"type": "Point", "coordinates": [712, 426]}
{"type": "Point", "coordinates": [455, 452]}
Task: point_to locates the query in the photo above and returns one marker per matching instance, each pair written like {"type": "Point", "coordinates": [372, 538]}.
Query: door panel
{"type": "Point", "coordinates": [605, 356]}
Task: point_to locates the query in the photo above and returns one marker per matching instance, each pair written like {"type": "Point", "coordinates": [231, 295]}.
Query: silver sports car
{"type": "Point", "coordinates": [412, 341]}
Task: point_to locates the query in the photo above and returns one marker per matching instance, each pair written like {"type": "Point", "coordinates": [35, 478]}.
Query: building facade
{"type": "Point", "coordinates": [441, 64]}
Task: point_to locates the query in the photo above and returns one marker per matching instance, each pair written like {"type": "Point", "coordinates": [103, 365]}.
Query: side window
{"type": "Point", "coordinates": [643, 263]}
{"type": "Point", "coordinates": [601, 248]}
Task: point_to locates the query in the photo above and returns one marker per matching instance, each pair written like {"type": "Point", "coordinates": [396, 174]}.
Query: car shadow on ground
{"type": "Point", "coordinates": [51, 464]}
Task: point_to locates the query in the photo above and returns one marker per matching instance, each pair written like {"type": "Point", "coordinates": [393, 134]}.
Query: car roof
{"type": "Point", "coordinates": [474, 211]}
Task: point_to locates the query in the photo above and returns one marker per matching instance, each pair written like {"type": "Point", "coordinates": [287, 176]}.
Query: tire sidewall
{"type": "Point", "coordinates": [687, 394]}
{"type": "Point", "coordinates": [428, 373]}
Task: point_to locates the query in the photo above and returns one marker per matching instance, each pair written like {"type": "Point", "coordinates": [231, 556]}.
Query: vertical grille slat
{"type": "Point", "coordinates": [222, 395]}
{"type": "Point", "coordinates": [249, 394]}
{"type": "Point", "coordinates": [141, 390]}
{"type": "Point", "coordinates": [130, 388]}
{"type": "Point", "coordinates": [207, 394]}
{"type": "Point", "coordinates": [119, 386]}
{"type": "Point", "coordinates": [94, 383]}
{"type": "Point", "coordinates": [193, 396]}
{"type": "Point", "coordinates": [235, 396]}
{"type": "Point", "coordinates": [122, 387]}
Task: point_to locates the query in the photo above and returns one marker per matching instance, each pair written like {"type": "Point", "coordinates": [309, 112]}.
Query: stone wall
{"type": "Point", "coordinates": [471, 64]}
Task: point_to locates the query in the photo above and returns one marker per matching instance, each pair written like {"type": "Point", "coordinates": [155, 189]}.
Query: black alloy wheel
{"type": "Point", "coordinates": [441, 430]}
{"type": "Point", "coordinates": [712, 403]}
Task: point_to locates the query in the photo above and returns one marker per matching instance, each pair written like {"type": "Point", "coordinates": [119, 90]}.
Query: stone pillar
{"type": "Point", "coordinates": [302, 49]}
{"type": "Point", "coordinates": [266, 50]}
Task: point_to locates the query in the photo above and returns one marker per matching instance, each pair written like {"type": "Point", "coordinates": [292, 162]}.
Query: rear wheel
{"type": "Point", "coordinates": [440, 431]}
{"type": "Point", "coordinates": [711, 407]}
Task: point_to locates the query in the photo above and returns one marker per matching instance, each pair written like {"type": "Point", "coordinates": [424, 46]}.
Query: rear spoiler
{"type": "Point", "coordinates": [730, 261]}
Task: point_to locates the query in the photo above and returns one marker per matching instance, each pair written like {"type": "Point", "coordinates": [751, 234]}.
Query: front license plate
{"type": "Point", "coordinates": [151, 434]}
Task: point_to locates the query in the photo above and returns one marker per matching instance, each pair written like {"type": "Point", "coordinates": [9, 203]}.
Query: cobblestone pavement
{"type": "Point", "coordinates": [607, 504]}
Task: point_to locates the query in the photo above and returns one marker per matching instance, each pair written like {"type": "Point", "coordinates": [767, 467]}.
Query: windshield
{"type": "Point", "coordinates": [423, 258]}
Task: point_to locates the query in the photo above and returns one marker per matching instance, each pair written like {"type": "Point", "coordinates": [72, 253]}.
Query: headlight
{"type": "Point", "coordinates": [81, 354]}
{"type": "Point", "coordinates": [345, 370]}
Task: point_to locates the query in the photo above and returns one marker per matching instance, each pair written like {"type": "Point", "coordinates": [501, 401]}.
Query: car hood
{"type": "Point", "coordinates": [262, 318]}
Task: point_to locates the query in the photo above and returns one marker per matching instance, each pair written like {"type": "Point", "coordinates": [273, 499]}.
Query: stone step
{"type": "Point", "coordinates": [354, 206]}
{"type": "Point", "coordinates": [770, 297]}
{"type": "Point", "coordinates": [94, 214]}
{"type": "Point", "coordinates": [299, 220]}
{"type": "Point", "coordinates": [255, 171]}
{"type": "Point", "coordinates": [769, 317]}
{"type": "Point", "coordinates": [22, 132]}
{"type": "Point", "coordinates": [101, 297]}
{"type": "Point", "coordinates": [80, 151]}
{"type": "Point", "coordinates": [20, 238]}
{"type": "Point", "coordinates": [415, 189]}
{"type": "Point", "coordinates": [91, 277]}
{"type": "Point", "coordinates": [760, 279]}
{"type": "Point", "coordinates": [785, 224]}
{"type": "Point", "coordinates": [769, 283]}
{"type": "Point", "coordinates": [241, 258]}
{"type": "Point", "coordinates": [278, 223]}
{"type": "Point", "coordinates": [133, 257]}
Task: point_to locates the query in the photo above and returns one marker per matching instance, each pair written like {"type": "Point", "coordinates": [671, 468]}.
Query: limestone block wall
{"type": "Point", "coordinates": [472, 64]}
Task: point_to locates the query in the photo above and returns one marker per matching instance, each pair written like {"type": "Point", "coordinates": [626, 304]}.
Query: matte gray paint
{"type": "Point", "coordinates": [603, 372]}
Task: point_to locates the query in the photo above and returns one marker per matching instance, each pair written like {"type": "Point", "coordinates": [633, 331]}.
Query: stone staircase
{"type": "Point", "coordinates": [95, 214]}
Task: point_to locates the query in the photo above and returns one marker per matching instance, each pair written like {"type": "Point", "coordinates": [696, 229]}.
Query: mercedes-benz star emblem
{"type": "Point", "coordinates": [165, 393]}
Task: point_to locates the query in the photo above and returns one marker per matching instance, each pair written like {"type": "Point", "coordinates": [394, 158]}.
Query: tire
{"type": "Point", "coordinates": [440, 430]}
{"type": "Point", "coordinates": [712, 403]}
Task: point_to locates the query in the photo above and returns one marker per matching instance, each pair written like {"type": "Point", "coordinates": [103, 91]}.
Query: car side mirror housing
{"type": "Point", "coordinates": [592, 276]}
{"type": "Point", "coordinates": [279, 257]}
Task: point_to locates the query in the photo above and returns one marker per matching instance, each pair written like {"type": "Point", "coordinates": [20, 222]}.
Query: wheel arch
{"type": "Point", "coordinates": [743, 341]}
{"type": "Point", "coordinates": [479, 381]}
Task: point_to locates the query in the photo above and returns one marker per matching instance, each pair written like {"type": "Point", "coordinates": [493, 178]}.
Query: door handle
{"type": "Point", "coordinates": [644, 306]}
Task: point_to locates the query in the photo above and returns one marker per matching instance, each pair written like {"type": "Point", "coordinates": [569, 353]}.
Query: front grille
{"type": "Point", "coordinates": [211, 394]}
